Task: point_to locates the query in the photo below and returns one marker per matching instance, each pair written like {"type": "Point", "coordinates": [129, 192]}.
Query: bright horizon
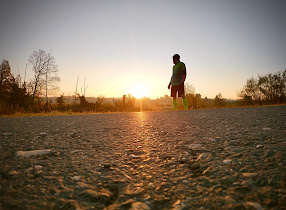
{"type": "Point", "coordinates": [124, 47]}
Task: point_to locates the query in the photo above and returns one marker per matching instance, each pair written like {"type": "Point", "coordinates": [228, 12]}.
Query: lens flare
{"type": "Point", "coordinates": [139, 91]}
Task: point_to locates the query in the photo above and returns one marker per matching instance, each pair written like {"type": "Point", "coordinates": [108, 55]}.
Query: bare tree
{"type": "Point", "coordinates": [76, 90]}
{"type": "Point", "coordinates": [82, 89]}
{"type": "Point", "coordinates": [189, 89]}
{"type": "Point", "coordinates": [85, 85]}
{"type": "Point", "coordinates": [45, 69]}
{"type": "Point", "coordinates": [51, 78]}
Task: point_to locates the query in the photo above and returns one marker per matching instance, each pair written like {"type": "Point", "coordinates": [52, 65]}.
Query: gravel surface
{"type": "Point", "coordinates": [218, 158]}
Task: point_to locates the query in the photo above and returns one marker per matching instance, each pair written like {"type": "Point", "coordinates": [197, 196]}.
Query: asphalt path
{"type": "Point", "coordinates": [215, 158]}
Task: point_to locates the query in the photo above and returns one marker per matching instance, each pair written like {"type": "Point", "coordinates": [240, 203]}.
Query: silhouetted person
{"type": "Point", "coordinates": [177, 82]}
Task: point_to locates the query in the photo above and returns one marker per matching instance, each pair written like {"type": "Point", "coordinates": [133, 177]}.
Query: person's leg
{"type": "Point", "coordinates": [175, 103]}
{"type": "Point", "coordinates": [185, 102]}
{"type": "Point", "coordinates": [182, 94]}
{"type": "Point", "coordinates": [174, 90]}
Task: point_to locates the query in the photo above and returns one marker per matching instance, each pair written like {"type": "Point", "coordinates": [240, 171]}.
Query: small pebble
{"type": "Point", "coordinates": [134, 156]}
{"type": "Point", "coordinates": [194, 146]}
{"type": "Point", "coordinates": [139, 205]}
{"type": "Point", "coordinates": [249, 175]}
{"type": "Point", "coordinates": [74, 151]}
{"type": "Point", "coordinates": [148, 203]}
{"type": "Point", "coordinates": [73, 134]}
{"type": "Point", "coordinates": [202, 156]}
{"type": "Point", "coordinates": [32, 152]}
{"type": "Point", "coordinates": [76, 178]}
{"type": "Point", "coordinates": [28, 170]}
{"type": "Point", "coordinates": [185, 181]}
{"type": "Point", "coordinates": [13, 173]}
{"type": "Point", "coordinates": [38, 172]}
{"type": "Point", "coordinates": [54, 172]}
{"type": "Point", "coordinates": [43, 134]}
{"type": "Point", "coordinates": [38, 167]}
{"type": "Point", "coordinates": [259, 146]}
{"type": "Point", "coordinates": [257, 206]}
{"type": "Point", "coordinates": [107, 166]}
{"type": "Point", "coordinates": [227, 161]}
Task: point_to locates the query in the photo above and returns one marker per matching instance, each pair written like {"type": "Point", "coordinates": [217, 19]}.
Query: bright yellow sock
{"type": "Point", "coordinates": [185, 102]}
{"type": "Point", "coordinates": [175, 103]}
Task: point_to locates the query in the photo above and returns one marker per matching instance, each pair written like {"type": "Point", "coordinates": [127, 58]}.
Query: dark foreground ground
{"type": "Point", "coordinates": [220, 158]}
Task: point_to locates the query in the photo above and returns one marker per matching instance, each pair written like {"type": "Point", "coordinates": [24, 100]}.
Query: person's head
{"type": "Point", "coordinates": [176, 58]}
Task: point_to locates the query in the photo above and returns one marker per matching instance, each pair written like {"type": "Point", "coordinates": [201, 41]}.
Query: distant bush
{"type": "Point", "coordinates": [15, 97]}
{"type": "Point", "coordinates": [267, 89]}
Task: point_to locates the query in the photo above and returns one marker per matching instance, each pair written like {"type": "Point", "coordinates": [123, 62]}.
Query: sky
{"type": "Point", "coordinates": [119, 46]}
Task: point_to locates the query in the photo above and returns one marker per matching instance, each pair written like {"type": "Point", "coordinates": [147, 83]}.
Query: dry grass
{"type": "Point", "coordinates": [58, 113]}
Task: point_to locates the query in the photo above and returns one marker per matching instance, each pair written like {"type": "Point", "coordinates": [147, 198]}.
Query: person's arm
{"type": "Point", "coordinates": [169, 86]}
{"type": "Point", "coordinates": [184, 73]}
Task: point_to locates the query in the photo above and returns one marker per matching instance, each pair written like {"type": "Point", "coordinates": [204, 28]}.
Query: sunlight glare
{"type": "Point", "coordinates": [139, 91]}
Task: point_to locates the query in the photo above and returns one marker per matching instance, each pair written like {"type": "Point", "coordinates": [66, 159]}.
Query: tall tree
{"type": "Point", "coordinates": [45, 69]}
{"type": "Point", "coordinates": [6, 79]}
{"type": "Point", "coordinates": [13, 96]}
{"type": "Point", "coordinates": [251, 91]}
{"type": "Point", "coordinates": [273, 87]}
{"type": "Point", "coordinates": [219, 101]}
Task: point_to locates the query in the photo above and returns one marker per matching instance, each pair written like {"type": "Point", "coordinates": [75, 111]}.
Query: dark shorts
{"type": "Point", "coordinates": [177, 88]}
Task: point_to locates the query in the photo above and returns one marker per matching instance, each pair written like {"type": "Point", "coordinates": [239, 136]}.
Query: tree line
{"type": "Point", "coordinates": [266, 89]}
{"type": "Point", "coordinates": [19, 95]}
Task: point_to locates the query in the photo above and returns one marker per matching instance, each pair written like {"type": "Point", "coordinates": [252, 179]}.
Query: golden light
{"type": "Point", "coordinates": [139, 90]}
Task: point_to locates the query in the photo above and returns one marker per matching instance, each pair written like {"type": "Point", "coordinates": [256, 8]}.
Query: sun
{"type": "Point", "coordinates": [139, 90]}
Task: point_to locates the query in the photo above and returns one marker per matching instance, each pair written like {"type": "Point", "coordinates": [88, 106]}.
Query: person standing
{"type": "Point", "coordinates": [177, 82]}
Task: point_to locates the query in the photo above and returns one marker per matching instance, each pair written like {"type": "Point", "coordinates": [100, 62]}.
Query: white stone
{"type": "Point", "coordinates": [33, 152]}
{"type": "Point", "coordinates": [76, 178]}
{"type": "Point", "coordinates": [227, 161]}
{"type": "Point", "coordinates": [257, 206]}
{"type": "Point", "coordinates": [259, 146]}
{"type": "Point", "coordinates": [266, 129]}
